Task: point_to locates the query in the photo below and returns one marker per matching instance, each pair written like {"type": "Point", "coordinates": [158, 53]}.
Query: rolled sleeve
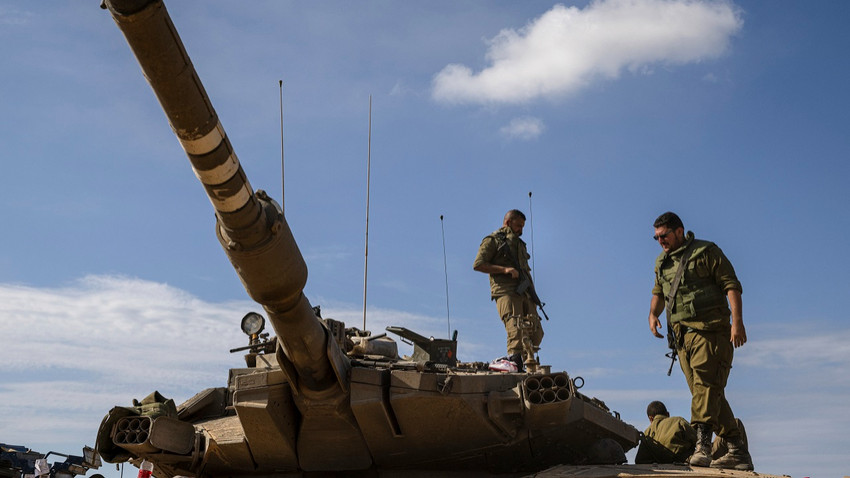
{"type": "Point", "coordinates": [656, 288]}
{"type": "Point", "coordinates": [724, 273]}
{"type": "Point", "coordinates": [486, 252]}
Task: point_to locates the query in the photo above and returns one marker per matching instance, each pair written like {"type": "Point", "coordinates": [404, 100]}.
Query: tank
{"type": "Point", "coordinates": [317, 398]}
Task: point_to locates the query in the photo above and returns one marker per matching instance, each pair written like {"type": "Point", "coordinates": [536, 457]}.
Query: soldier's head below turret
{"type": "Point", "coordinates": [656, 408]}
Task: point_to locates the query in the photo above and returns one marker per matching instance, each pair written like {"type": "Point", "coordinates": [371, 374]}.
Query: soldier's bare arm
{"type": "Point", "coordinates": [488, 268]}
{"type": "Point", "coordinates": [656, 306]}
{"type": "Point", "coordinates": [739, 333]}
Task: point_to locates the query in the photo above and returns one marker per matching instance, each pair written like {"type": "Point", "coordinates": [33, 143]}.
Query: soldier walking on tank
{"type": "Point", "coordinates": [699, 287]}
{"type": "Point", "coordinates": [499, 255]}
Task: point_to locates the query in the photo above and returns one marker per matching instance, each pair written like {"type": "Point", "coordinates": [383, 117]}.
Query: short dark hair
{"type": "Point", "coordinates": [669, 219]}
{"type": "Point", "coordinates": [656, 408]}
{"type": "Point", "coordinates": [515, 213]}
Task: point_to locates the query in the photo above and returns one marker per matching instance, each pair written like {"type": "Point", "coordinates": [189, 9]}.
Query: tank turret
{"type": "Point", "coordinates": [318, 397]}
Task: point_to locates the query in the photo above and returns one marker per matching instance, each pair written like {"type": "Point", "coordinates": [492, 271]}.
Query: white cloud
{"type": "Point", "coordinates": [524, 128]}
{"type": "Point", "coordinates": [12, 16]}
{"type": "Point", "coordinates": [118, 329]}
{"type": "Point", "coordinates": [399, 89]}
{"type": "Point", "coordinates": [326, 257]}
{"type": "Point", "coordinates": [567, 48]}
{"type": "Point", "coordinates": [828, 353]}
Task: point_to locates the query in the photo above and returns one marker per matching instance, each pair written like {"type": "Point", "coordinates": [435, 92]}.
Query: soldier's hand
{"type": "Point", "coordinates": [739, 334]}
{"type": "Point", "coordinates": [654, 325]}
{"type": "Point", "coordinates": [513, 272]}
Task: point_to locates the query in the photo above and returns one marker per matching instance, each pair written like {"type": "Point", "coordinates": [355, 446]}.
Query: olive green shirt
{"type": "Point", "coordinates": [488, 252]}
{"type": "Point", "coordinates": [667, 440]}
{"type": "Point", "coordinates": [710, 264]}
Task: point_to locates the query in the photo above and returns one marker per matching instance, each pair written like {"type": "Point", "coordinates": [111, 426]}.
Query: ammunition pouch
{"type": "Point", "coordinates": [697, 298]}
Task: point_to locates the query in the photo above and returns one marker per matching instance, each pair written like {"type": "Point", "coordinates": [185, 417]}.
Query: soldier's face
{"type": "Point", "coordinates": [516, 224]}
{"type": "Point", "coordinates": [670, 239]}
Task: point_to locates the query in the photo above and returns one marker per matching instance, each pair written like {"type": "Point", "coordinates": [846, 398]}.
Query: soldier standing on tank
{"type": "Point", "coordinates": [494, 259]}
{"type": "Point", "coordinates": [699, 311]}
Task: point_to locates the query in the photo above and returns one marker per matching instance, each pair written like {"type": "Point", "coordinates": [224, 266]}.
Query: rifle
{"type": "Point", "coordinates": [526, 285]}
{"type": "Point", "coordinates": [671, 343]}
{"type": "Point", "coordinates": [671, 303]}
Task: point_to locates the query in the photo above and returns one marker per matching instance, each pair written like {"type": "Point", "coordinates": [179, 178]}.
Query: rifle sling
{"type": "Point", "coordinates": [674, 288]}
{"type": "Point", "coordinates": [505, 248]}
{"type": "Point", "coordinates": [526, 285]}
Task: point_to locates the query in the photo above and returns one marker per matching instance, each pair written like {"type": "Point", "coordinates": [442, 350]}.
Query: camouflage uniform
{"type": "Point", "coordinates": [667, 440]}
{"type": "Point", "coordinates": [503, 287]}
{"type": "Point", "coordinates": [701, 323]}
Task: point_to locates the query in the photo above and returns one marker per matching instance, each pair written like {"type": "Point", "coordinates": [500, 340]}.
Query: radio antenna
{"type": "Point", "coordinates": [368, 178]}
{"type": "Point", "coordinates": [446, 270]}
{"type": "Point", "coordinates": [531, 226]}
{"type": "Point", "coordinates": [282, 182]}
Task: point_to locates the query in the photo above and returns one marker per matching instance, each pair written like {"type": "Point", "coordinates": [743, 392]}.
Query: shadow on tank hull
{"type": "Point", "coordinates": [318, 398]}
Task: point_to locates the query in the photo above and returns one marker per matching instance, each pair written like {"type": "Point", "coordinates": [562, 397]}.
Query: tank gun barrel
{"type": "Point", "coordinates": [250, 225]}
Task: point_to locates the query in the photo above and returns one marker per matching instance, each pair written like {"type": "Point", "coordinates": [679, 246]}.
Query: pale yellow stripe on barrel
{"type": "Point", "coordinates": [205, 144]}
{"type": "Point", "coordinates": [221, 173]}
{"type": "Point", "coordinates": [234, 202]}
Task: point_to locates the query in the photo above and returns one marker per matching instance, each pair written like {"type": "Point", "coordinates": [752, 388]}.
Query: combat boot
{"type": "Point", "coordinates": [736, 458]}
{"type": "Point", "coordinates": [702, 452]}
{"type": "Point", "coordinates": [517, 359]}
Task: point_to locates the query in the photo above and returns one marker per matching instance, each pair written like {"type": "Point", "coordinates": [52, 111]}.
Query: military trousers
{"type": "Point", "coordinates": [706, 359]}
{"type": "Point", "coordinates": [512, 306]}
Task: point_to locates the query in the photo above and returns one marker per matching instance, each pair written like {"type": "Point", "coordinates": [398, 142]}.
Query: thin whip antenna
{"type": "Point", "coordinates": [282, 177]}
{"type": "Point", "coordinates": [531, 226]}
{"type": "Point", "coordinates": [446, 270]}
{"type": "Point", "coordinates": [368, 181]}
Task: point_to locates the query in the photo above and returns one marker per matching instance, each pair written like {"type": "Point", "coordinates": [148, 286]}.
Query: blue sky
{"type": "Point", "coordinates": [734, 115]}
